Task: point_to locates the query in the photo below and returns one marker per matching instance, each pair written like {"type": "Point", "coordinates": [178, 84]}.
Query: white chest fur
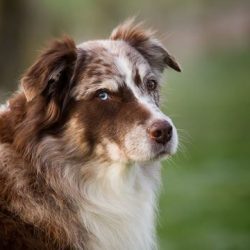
{"type": "Point", "coordinates": [120, 213]}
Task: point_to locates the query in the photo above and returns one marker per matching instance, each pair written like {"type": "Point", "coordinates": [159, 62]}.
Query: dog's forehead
{"type": "Point", "coordinates": [109, 64]}
{"type": "Point", "coordinates": [113, 49]}
{"type": "Point", "coordinates": [116, 55]}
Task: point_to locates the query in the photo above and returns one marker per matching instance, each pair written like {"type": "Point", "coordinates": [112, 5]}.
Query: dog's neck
{"type": "Point", "coordinates": [115, 201]}
{"type": "Point", "coordinates": [124, 208]}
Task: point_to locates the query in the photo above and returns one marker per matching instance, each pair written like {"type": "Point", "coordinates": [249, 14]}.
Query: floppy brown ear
{"type": "Point", "coordinates": [145, 42]}
{"type": "Point", "coordinates": [52, 71]}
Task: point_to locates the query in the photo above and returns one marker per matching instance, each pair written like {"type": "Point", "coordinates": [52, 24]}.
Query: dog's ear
{"type": "Point", "coordinates": [144, 42]}
{"type": "Point", "coordinates": [47, 83]}
{"type": "Point", "coordinates": [52, 72]}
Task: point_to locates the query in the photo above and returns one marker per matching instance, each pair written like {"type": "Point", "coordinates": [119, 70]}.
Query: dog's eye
{"type": "Point", "coordinates": [151, 84]}
{"type": "Point", "coordinates": [103, 95]}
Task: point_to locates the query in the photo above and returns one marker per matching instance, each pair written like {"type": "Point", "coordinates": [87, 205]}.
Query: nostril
{"type": "Point", "coordinates": [156, 133]}
{"type": "Point", "coordinates": [169, 133]}
{"type": "Point", "coordinates": [161, 131]}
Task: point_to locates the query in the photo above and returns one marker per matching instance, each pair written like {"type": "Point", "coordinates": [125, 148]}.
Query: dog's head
{"type": "Point", "coordinates": [105, 95]}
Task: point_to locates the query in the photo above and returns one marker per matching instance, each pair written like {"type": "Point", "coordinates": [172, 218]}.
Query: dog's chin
{"type": "Point", "coordinates": [155, 155]}
{"type": "Point", "coordinates": [164, 154]}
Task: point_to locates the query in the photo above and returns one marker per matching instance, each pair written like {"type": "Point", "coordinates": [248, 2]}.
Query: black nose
{"type": "Point", "coordinates": [160, 131]}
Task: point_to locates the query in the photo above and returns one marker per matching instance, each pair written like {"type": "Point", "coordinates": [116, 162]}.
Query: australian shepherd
{"type": "Point", "coordinates": [80, 144]}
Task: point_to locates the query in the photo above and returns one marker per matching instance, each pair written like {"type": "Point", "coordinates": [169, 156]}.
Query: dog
{"type": "Point", "coordinates": [80, 144]}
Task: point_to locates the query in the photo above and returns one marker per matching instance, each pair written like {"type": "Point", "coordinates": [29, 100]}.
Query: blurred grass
{"type": "Point", "coordinates": [205, 202]}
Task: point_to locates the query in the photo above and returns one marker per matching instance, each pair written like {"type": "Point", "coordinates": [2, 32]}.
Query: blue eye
{"type": "Point", "coordinates": [103, 96]}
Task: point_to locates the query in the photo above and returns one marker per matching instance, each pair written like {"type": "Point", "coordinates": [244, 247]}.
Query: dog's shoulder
{"type": "Point", "coordinates": [16, 234]}
{"type": "Point", "coordinates": [18, 215]}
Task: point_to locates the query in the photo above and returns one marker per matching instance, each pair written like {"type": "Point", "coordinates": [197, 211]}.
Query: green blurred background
{"type": "Point", "coordinates": [205, 200]}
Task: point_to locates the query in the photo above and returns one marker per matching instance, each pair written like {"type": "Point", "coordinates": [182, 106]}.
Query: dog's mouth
{"type": "Point", "coordinates": [164, 153]}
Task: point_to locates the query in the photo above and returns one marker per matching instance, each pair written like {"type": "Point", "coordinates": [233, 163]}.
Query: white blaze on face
{"type": "Point", "coordinates": [138, 145]}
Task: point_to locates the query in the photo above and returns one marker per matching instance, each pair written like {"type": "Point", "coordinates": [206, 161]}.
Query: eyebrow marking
{"type": "Point", "coordinates": [83, 91]}
{"type": "Point", "coordinates": [137, 78]}
{"type": "Point", "coordinates": [110, 85]}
